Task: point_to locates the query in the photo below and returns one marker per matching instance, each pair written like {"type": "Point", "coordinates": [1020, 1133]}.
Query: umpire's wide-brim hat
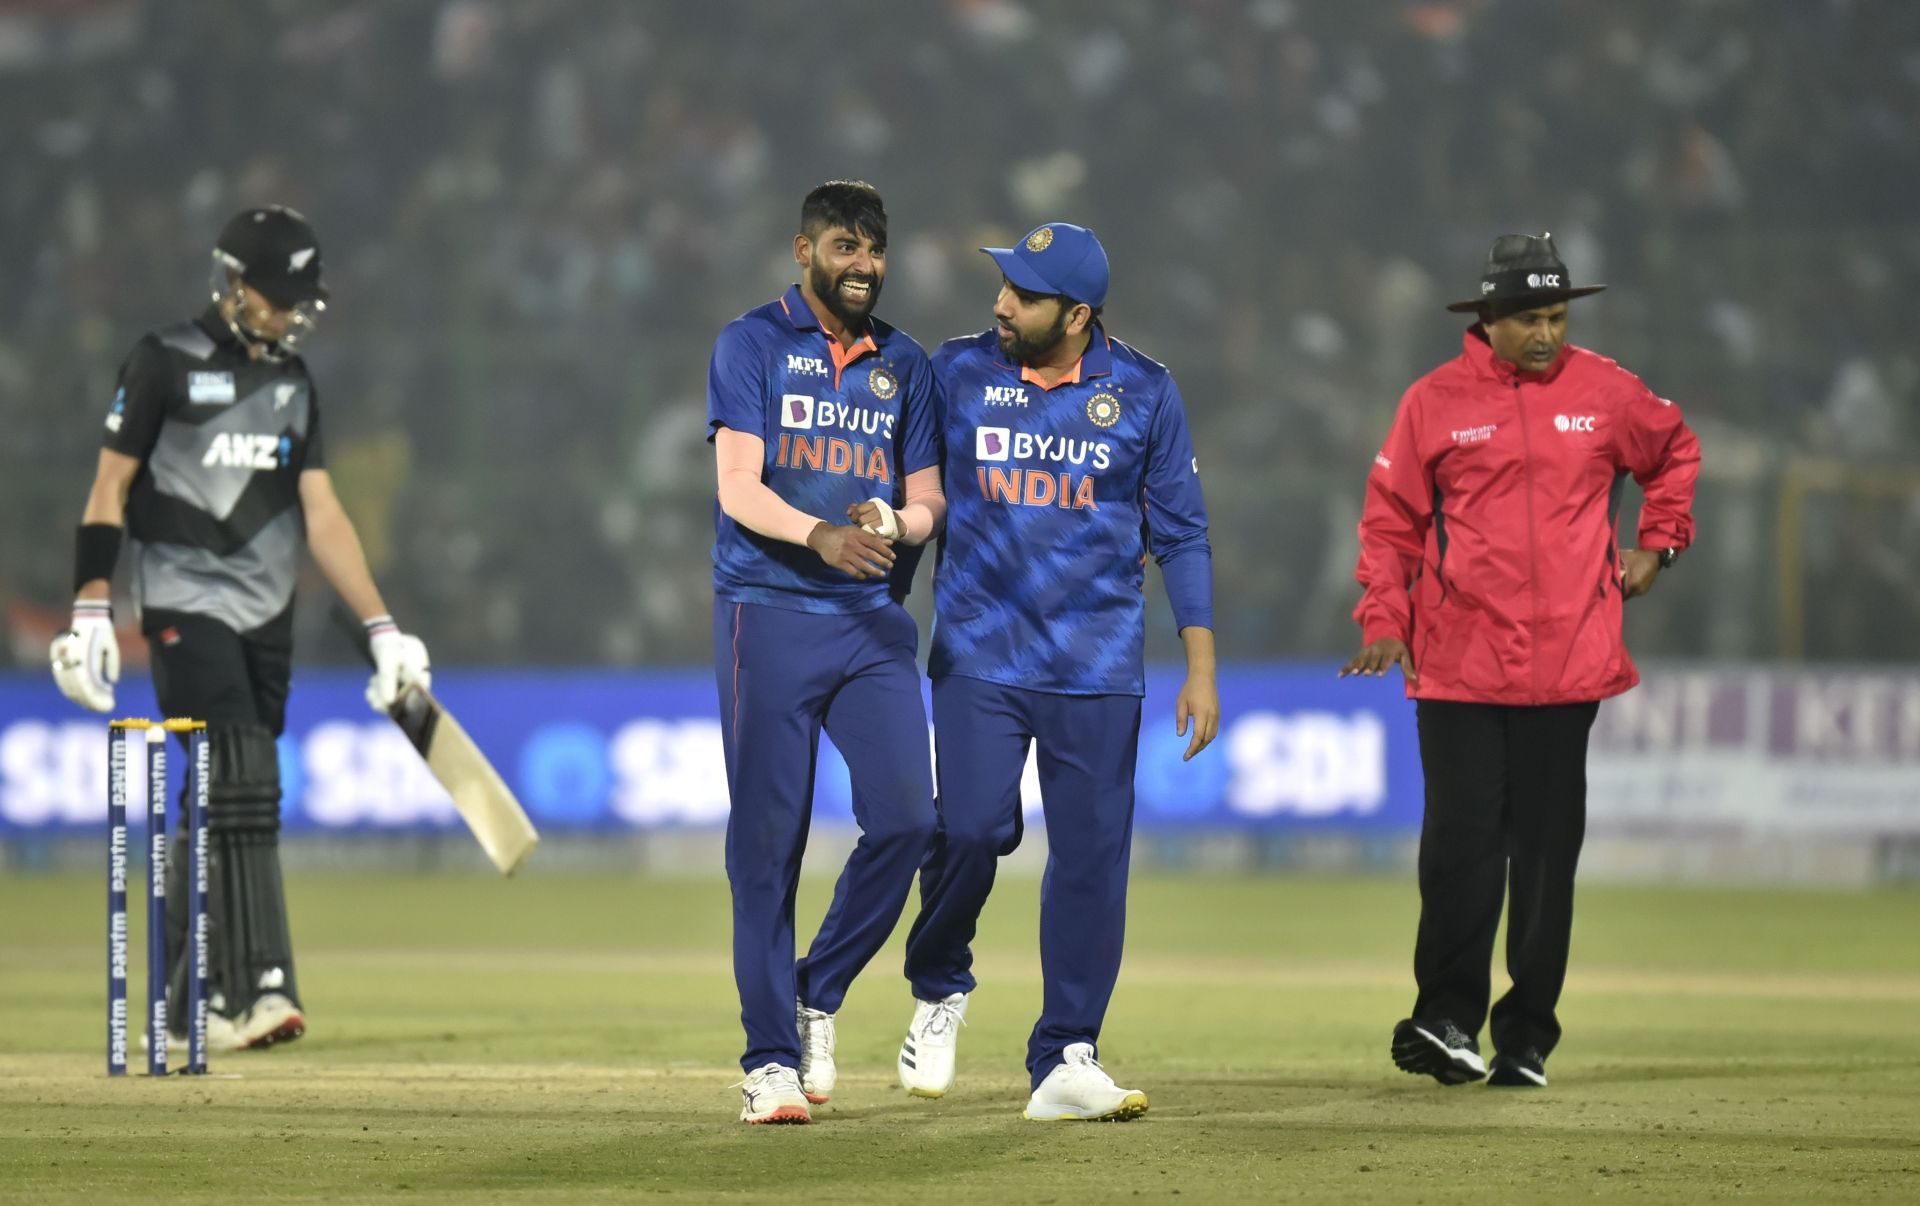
{"type": "Point", "coordinates": [1524, 266]}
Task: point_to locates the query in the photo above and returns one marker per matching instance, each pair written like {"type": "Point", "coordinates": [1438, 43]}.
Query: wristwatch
{"type": "Point", "coordinates": [1668, 557]}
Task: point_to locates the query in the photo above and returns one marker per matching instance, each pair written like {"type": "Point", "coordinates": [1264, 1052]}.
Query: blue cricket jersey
{"type": "Point", "coordinates": [1054, 498]}
{"type": "Point", "coordinates": [841, 426]}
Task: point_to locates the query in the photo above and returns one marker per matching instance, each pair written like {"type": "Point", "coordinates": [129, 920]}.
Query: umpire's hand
{"type": "Point", "coordinates": [1376, 659]}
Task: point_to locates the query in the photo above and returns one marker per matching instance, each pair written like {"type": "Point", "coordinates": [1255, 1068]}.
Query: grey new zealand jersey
{"type": "Point", "coordinates": [214, 514]}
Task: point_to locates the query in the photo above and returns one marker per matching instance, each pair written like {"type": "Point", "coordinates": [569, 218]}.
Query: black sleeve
{"type": "Point", "coordinates": [148, 391]}
{"type": "Point", "coordinates": [314, 455]}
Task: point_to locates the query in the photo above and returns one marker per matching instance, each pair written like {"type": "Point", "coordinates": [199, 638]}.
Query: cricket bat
{"type": "Point", "coordinates": [484, 800]}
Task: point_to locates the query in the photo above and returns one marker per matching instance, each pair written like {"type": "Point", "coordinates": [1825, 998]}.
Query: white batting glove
{"type": "Point", "coordinates": [399, 661]}
{"type": "Point", "coordinates": [86, 657]}
{"type": "Point", "coordinates": [890, 525]}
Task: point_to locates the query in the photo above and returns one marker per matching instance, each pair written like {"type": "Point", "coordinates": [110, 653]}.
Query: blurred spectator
{"type": "Point", "coordinates": [538, 216]}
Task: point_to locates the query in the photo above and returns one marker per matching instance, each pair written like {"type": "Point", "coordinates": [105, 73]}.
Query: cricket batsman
{"type": "Point", "coordinates": [1067, 463]}
{"type": "Point", "coordinates": [213, 473]}
{"type": "Point", "coordinates": [816, 409]}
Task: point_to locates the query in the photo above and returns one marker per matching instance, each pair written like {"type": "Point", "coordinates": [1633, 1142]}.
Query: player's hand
{"type": "Point", "coordinates": [852, 550]}
{"type": "Point", "coordinates": [1199, 702]}
{"type": "Point", "coordinates": [1638, 569]}
{"type": "Point", "coordinates": [86, 657]}
{"type": "Point", "coordinates": [1381, 656]}
{"type": "Point", "coordinates": [876, 515]}
{"type": "Point", "coordinates": [399, 661]}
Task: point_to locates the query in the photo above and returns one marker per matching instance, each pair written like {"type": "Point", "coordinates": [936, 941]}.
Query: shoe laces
{"type": "Point", "coordinates": [818, 1029]}
{"type": "Point", "coordinates": [772, 1076]}
{"type": "Point", "coordinates": [1087, 1066]}
{"type": "Point", "coordinates": [943, 1020]}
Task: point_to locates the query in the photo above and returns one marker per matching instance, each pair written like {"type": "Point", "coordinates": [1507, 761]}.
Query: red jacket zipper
{"type": "Point", "coordinates": [1533, 547]}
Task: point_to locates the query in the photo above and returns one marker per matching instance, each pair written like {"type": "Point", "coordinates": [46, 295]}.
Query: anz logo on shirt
{"type": "Point", "coordinates": [239, 450]}
{"type": "Point", "coordinates": [832, 454]}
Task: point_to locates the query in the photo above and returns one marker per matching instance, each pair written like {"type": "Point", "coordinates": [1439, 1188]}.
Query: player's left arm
{"type": "Point", "coordinates": [400, 659]}
{"type": "Point", "coordinates": [1176, 514]}
{"type": "Point", "coordinates": [1660, 450]}
{"type": "Point", "coordinates": [336, 545]}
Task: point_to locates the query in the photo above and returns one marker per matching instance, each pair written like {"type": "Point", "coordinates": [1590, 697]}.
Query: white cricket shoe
{"type": "Point", "coordinates": [274, 1018]}
{"type": "Point", "coordinates": [772, 1093]}
{"type": "Point", "coordinates": [817, 1073]}
{"type": "Point", "coordinates": [222, 1036]}
{"type": "Point", "coordinates": [1081, 1089]}
{"type": "Point", "coordinates": [926, 1057]}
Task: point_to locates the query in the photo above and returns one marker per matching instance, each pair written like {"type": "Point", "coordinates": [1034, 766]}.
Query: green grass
{"type": "Point", "coordinates": [573, 1037]}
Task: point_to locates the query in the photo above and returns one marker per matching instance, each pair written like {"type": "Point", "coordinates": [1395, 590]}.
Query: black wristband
{"type": "Point", "coordinates": [96, 548]}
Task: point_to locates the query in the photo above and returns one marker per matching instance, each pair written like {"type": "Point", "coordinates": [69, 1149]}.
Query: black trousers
{"type": "Point", "coordinates": [204, 670]}
{"type": "Point", "coordinates": [1506, 813]}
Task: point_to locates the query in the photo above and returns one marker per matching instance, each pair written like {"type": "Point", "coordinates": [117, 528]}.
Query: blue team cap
{"type": "Point", "coordinates": [1057, 258]}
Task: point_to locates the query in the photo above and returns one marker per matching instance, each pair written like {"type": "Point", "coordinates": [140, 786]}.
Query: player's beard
{"type": "Point", "coordinates": [827, 289]}
{"type": "Point", "coordinates": [1024, 349]}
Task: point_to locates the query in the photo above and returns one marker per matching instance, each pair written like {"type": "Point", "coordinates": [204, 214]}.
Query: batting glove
{"type": "Point", "coordinates": [399, 661]}
{"type": "Point", "coordinates": [86, 657]}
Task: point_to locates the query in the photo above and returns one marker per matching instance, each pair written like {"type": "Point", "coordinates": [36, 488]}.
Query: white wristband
{"type": "Point", "coordinates": [890, 526]}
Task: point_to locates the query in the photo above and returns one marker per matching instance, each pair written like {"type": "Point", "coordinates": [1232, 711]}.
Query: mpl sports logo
{"type": "Point", "coordinates": [811, 366]}
{"type": "Point", "coordinates": [1006, 395]}
{"type": "Point", "coordinates": [240, 450]}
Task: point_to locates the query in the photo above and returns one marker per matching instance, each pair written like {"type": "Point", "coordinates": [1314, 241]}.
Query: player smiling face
{"type": "Point", "coordinates": [842, 249]}
{"type": "Point", "coordinates": [1029, 325]}
{"type": "Point", "coordinates": [845, 270]}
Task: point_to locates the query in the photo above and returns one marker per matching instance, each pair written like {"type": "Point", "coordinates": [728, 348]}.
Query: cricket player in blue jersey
{"type": "Point", "coordinates": [1067, 461]}
{"type": "Point", "coordinates": [816, 408]}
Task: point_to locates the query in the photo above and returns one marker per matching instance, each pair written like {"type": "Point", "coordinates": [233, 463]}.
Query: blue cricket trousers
{"type": "Point", "coordinates": [1087, 749]}
{"type": "Point", "coordinates": [783, 675]}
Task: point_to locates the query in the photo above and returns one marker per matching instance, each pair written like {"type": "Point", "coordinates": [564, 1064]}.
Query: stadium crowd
{"type": "Point", "coordinates": [536, 217]}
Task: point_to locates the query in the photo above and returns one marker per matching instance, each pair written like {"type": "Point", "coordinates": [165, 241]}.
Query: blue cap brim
{"type": "Point", "coordinates": [1019, 272]}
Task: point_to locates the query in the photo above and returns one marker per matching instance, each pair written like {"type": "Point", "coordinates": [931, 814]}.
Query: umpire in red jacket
{"type": "Point", "coordinates": [1493, 577]}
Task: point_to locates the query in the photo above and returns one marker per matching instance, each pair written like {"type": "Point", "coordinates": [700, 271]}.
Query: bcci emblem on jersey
{"type": "Point", "coordinates": [883, 383]}
{"type": "Point", "coordinates": [1104, 409]}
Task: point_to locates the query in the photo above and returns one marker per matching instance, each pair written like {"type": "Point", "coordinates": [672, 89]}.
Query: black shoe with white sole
{"type": "Point", "coordinates": [1438, 1049]}
{"type": "Point", "coordinates": [1526, 1069]}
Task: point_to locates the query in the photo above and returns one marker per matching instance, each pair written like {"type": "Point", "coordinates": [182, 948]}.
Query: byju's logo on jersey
{"type": "Point", "coordinates": [991, 444]}
{"type": "Point", "coordinates": [240, 450]}
{"type": "Point", "coordinates": [813, 366]}
{"type": "Point", "coordinates": [796, 411]}
{"type": "Point", "coordinates": [1006, 395]}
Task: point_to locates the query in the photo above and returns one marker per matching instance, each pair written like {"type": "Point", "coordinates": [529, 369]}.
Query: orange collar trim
{"type": "Point", "coordinates": [1028, 375]}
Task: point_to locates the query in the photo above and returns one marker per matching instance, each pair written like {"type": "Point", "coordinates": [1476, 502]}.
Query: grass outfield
{"type": "Point", "coordinates": [572, 1038]}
